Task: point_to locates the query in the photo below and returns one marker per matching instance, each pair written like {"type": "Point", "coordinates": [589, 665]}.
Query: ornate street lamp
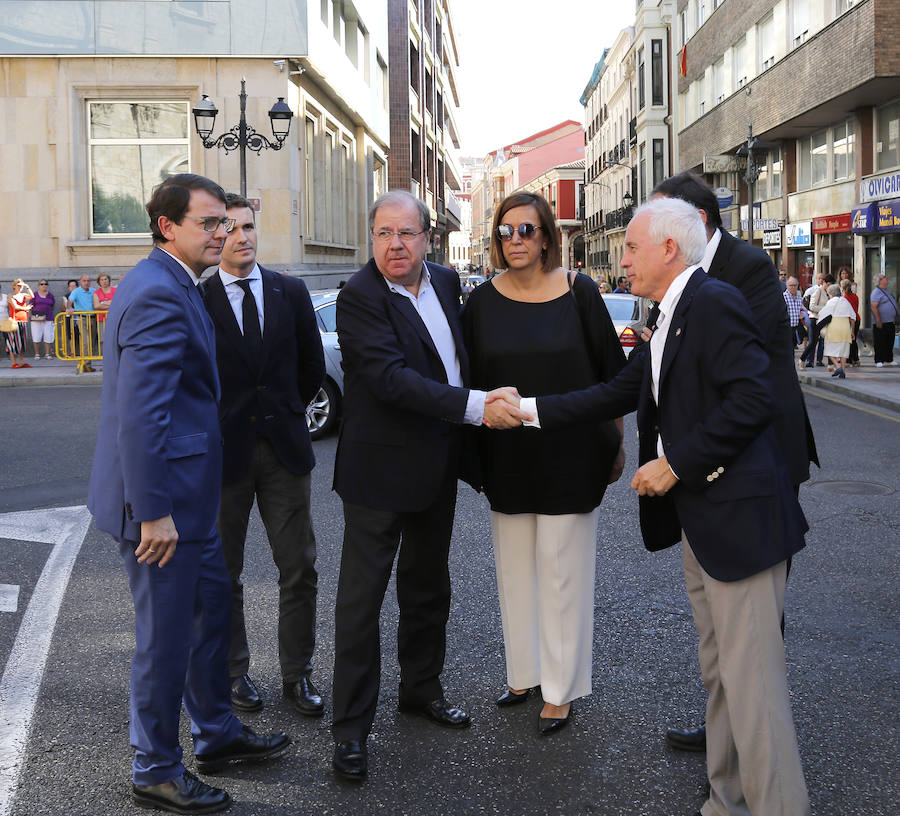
{"type": "Point", "coordinates": [752, 150]}
{"type": "Point", "coordinates": [242, 136]}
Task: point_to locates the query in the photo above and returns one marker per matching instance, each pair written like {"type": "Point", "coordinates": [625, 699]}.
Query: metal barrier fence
{"type": "Point", "coordinates": [79, 337]}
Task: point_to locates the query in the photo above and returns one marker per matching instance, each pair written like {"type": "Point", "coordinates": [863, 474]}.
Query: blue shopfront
{"type": "Point", "coordinates": [878, 224]}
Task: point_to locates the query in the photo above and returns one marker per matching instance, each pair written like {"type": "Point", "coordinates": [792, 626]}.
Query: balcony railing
{"type": "Point", "coordinates": [617, 219]}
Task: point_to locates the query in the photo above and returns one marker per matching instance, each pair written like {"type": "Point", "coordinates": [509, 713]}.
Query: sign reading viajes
{"type": "Point", "coordinates": [724, 163]}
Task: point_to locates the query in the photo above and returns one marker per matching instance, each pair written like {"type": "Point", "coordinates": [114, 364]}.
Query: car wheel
{"type": "Point", "coordinates": [322, 413]}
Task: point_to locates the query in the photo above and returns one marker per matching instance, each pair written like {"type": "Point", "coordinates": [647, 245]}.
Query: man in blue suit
{"type": "Point", "coordinates": [711, 476]}
{"type": "Point", "coordinates": [155, 488]}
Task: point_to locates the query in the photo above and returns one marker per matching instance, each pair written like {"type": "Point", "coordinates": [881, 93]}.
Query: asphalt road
{"type": "Point", "coordinates": [842, 641]}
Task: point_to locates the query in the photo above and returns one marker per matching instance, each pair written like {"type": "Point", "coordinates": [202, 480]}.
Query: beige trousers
{"type": "Point", "coordinates": [752, 757]}
{"type": "Point", "coordinates": [545, 578]}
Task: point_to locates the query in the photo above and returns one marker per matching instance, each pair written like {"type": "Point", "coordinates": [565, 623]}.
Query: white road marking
{"type": "Point", "coordinates": [9, 597]}
{"type": "Point", "coordinates": [65, 528]}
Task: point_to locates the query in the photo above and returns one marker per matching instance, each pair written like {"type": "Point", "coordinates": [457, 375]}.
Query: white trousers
{"type": "Point", "coordinates": [545, 579]}
{"type": "Point", "coordinates": [752, 758]}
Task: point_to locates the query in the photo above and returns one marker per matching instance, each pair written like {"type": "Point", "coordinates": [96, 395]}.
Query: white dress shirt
{"type": "Point", "coordinates": [195, 278]}
{"type": "Point", "coordinates": [235, 295]}
{"type": "Point", "coordinates": [711, 246]}
{"type": "Point", "coordinates": [429, 308]}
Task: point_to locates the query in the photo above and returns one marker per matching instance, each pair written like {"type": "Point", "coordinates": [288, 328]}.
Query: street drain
{"type": "Point", "coordinates": [854, 488]}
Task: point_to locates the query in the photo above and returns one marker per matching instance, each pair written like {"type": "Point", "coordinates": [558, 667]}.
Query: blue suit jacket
{"type": "Point", "coordinates": [158, 448]}
{"type": "Point", "coordinates": [401, 420]}
{"type": "Point", "coordinates": [734, 499]}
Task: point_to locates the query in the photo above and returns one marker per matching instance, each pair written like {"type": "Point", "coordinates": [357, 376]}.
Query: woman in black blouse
{"type": "Point", "coordinates": [544, 330]}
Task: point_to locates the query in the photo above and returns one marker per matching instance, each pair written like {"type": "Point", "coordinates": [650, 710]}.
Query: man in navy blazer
{"type": "Point", "coordinates": [711, 476]}
{"type": "Point", "coordinates": [154, 487]}
{"type": "Point", "coordinates": [271, 364]}
{"type": "Point", "coordinates": [405, 400]}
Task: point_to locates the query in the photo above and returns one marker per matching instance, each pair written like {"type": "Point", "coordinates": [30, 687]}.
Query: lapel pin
{"type": "Point", "coordinates": [677, 331]}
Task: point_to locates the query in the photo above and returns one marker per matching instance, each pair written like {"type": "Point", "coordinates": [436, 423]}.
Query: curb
{"type": "Point", "coordinates": [31, 380]}
{"type": "Point", "coordinates": [849, 392]}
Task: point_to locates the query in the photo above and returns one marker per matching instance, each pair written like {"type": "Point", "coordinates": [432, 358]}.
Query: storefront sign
{"type": "Point", "coordinates": [887, 216]}
{"type": "Point", "coordinates": [760, 224]}
{"type": "Point", "coordinates": [798, 235]}
{"type": "Point", "coordinates": [862, 219]}
{"type": "Point", "coordinates": [880, 187]}
{"type": "Point", "coordinates": [772, 239]}
{"type": "Point", "coordinates": [831, 223]}
{"type": "Point", "coordinates": [723, 163]}
{"type": "Point", "coordinates": [724, 196]}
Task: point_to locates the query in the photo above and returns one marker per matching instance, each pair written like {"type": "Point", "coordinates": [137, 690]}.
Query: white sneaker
{"type": "Point", "coordinates": [894, 362]}
{"type": "Point", "coordinates": [879, 365]}
{"type": "Point", "coordinates": [37, 356]}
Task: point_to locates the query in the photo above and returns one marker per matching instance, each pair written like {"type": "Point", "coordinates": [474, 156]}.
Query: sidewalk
{"type": "Point", "coordinates": [47, 372]}
{"type": "Point", "coordinates": [875, 386]}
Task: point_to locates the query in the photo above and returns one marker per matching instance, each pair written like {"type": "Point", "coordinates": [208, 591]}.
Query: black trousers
{"type": "Point", "coordinates": [811, 354]}
{"type": "Point", "coordinates": [284, 505]}
{"type": "Point", "coordinates": [371, 540]}
{"type": "Point", "coordinates": [883, 341]}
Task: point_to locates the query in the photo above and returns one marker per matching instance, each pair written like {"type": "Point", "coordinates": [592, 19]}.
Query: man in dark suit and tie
{"type": "Point", "coordinates": [271, 364]}
{"type": "Point", "coordinates": [710, 463]}
{"type": "Point", "coordinates": [751, 270]}
{"type": "Point", "coordinates": [396, 469]}
{"type": "Point", "coordinates": [154, 487]}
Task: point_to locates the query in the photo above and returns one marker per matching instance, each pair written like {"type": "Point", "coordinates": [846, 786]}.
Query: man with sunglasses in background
{"type": "Point", "coordinates": [396, 467]}
{"type": "Point", "coordinates": [155, 488]}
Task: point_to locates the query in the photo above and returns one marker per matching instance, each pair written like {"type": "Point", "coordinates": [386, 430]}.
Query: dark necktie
{"type": "Point", "coordinates": [250, 316]}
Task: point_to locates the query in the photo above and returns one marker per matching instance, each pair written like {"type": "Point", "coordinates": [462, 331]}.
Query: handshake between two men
{"type": "Point", "coordinates": [502, 410]}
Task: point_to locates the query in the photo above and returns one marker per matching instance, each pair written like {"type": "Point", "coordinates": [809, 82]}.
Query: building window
{"type": "Point", "coordinates": [701, 95]}
{"type": "Point", "coordinates": [381, 81]}
{"type": "Point", "coordinates": [309, 150]}
{"type": "Point", "coordinates": [799, 22]}
{"type": "Point", "coordinates": [132, 146]}
{"type": "Point", "coordinates": [840, 6]}
{"type": "Point", "coordinates": [813, 159]}
{"type": "Point", "coordinates": [640, 79]}
{"type": "Point", "coordinates": [765, 37]}
{"type": "Point", "coordinates": [739, 62]}
{"type": "Point", "coordinates": [682, 26]}
{"type": "Point", "coordinates": [845, 150]}
{"type": "Point", "coordinates": [337, 22]}
{"type": "Point", "coordinates": [656, 71]}
{"type": "Point", "coordinates": [415, 156]}
{"type": "Point", "coordinates": [658, 168]}
{"type": "Point", "coordinates": [414, 67]}
{"type": "Point", "coordinates": [701, 12]}
{"type": "Point", "coordinates": [719, 89]}
{"type": "Point", "coordinates": [642, 175]}
{"type": "Point", "coordinates": [776, 175]}
{"type": "Point", "coordinates": [887, 139]}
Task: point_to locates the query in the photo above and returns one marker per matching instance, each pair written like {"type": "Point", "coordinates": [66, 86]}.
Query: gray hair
{"type": "Point", "coordinates": [404, 198]}
{"type": "Point", "coordinates": [678, 220]}
{"type": "Point", "coordinates": [834, 290]}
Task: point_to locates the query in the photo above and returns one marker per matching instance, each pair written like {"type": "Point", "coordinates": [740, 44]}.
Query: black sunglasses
{"type": "Point", "coordinates": [505, 231]}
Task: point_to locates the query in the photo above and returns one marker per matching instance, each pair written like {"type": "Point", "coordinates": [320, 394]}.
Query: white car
{"type": "Point", "coordinates": [629, 315]}
{"type": "Point", "coordinates": [323, 413]}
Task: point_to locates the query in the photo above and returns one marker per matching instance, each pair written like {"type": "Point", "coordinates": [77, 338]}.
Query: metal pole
{"type": "Point", "coordinates": [242, 137]}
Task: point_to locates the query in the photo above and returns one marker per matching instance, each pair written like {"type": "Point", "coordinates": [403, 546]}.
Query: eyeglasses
{"type": "Point", "coordinates": [407, 236]}
{"type": "Point", "coordinates": [505, 231]}
{"type": "Point", "coordinates": [42, 283]}
{"type": "Point", "coordinates": [211, 224]}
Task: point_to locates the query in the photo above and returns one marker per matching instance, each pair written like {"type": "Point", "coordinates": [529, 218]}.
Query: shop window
{"type": "Point", "coordinates": [132, 147]}
{"type": "Point", "coordinates": [887, 140]}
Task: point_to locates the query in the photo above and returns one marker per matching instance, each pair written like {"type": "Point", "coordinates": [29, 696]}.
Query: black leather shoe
{"type": "Point", "coordinates": [351, 760]}
{"type": "Point", "coordinates": [688, 739]}
{"type": "Point", "coordinates": [305, 697]}
{"type": "Point", "coordinates": [244, 694]}
{"type": "Point", "coordinates": [183, 794]}
{"type": "Point", "coordinates": [550, 725]}
{"type": "Point", "coordinates": [439, 711]}
{"type": "Point", "coordinates": [510, 698]}
{"type": "Point", "coordinates": [248, 747]}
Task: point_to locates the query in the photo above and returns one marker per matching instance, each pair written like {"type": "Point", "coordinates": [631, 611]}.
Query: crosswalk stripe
{"type": "Point", "coordinates": [9, 597]}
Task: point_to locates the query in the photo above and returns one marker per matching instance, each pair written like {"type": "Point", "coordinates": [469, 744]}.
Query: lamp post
{"type": "Point", "coordinates": [242, 136]}
{"type": "Point", "coordinates": [751, 150]}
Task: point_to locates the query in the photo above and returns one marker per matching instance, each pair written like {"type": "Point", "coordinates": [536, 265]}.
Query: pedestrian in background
{"type": "Point", "coordinates": [818, 297]}
{"type": "Point", "coordinates": [794, 306]}
{"type": "Point", "coordinates": [42, 320]}
{"type": "Point", "coordinates": [848, 291]}
{"type": "Point", "coordinates": [81, 299]}
{"type": "Point", "coordinates": [621, 286]}
{"type": "Point", "coordinates": [102, 296]}
{"type": "Point", "coordinates": [603, 286]}
{"type": "Point", "coordinates": [546, 330]}
{"type": "Point", "coordinates": [19, 307]}
{"type": "Point", "coordinates": [884, 311]}
{"type": "Point", "coordinates": [70, 340]}
{"type": "Point", "coordinates": [836, 325]}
